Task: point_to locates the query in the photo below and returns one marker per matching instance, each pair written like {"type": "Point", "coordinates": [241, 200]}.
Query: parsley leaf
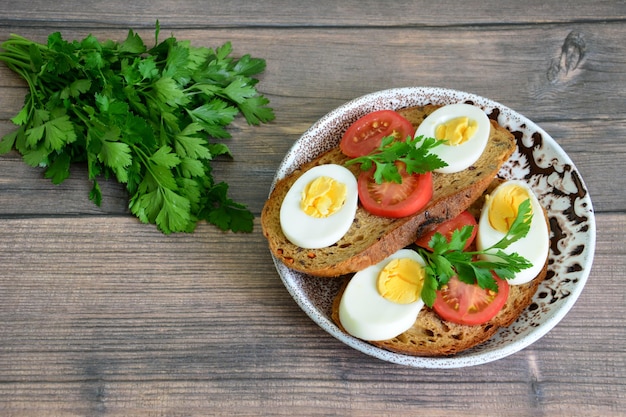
{"type": "Point", "coordinates": [414, 153]}
{"type": "Point", "coordinates": [448, 259]}
{"type": "Point", "coordinates": [151, 117]}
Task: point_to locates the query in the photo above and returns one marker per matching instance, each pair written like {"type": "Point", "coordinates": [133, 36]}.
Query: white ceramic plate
{"type": "Point", "coordinates": [538, 160]}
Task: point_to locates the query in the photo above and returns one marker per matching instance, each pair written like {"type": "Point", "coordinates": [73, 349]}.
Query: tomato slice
{"type": "Point", "coordinates": [366, 134]}
{"type": "Point", "coordinates": [391, 199]}
{"type": "Point", "coordinates": [448, 227]}
{"type": "Point", "coordinates": [463, 303]}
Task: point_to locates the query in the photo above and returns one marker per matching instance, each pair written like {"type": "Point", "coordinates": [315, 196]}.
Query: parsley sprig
{"type": "Point", "coordinates": [448, 259]}
{"type": "Point", "coordinates": [414, 153]}
{"type": "Point", "coordinates": [152, 118]}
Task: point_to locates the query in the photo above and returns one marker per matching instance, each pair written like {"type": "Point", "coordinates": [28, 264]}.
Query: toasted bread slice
{"type": "Point", "coordinates": [430, 335]}
{"type": "Point", "coordinates": [372, 238]}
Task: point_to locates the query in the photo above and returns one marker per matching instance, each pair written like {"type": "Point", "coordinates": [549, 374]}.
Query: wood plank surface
{"type": "Point", "coordinates": [242, 14]}
{"type": "Point", "coordinates": [101, 315]}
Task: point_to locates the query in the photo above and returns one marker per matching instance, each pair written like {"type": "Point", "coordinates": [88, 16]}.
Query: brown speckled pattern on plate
{"type": "Point", "coordinates": [539, 160]}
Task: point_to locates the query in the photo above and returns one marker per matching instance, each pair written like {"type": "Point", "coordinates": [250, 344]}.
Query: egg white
{"type": "Point", "coordinates": [366, 314]}
{"type": "Point", "coordinates": [534, 247]}
{"type": "Point", "coordinates": [458, 157]}
{"type": "Point", "coordinates": [311, 232]}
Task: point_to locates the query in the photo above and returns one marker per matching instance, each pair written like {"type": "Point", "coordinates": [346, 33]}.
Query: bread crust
{"type": "Point", "coordinates": [372, 238]}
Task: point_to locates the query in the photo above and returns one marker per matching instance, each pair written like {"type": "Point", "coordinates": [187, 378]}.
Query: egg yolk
{"type": "Point", "coordinates": [456, 131]}
{"type": "Point", "coordinates": [323, 197]}
{"type": "Point", "coordinates": [401, 281]}
{"type": "Point", "coordinates": [505, 205]}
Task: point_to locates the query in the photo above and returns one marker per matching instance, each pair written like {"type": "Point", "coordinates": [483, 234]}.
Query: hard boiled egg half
{"type": "Point", "coordinates": [319, 207]}
{"type": "Point", "coordinates": [464, 127]}
{"type": "Point", "coordinates": [383, 300]}
{"type": "Point", "coordinates": [496, 218]}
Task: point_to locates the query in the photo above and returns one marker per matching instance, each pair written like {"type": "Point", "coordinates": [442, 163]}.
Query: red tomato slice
{"type": "Point", "coordinates": [463, 303]}
{"type": "Point", "coordinates": [446, 228]}
{"type": "Point", "coordinates": [391, 199]}
{"type": "Point", "coordinates": [366, 134]}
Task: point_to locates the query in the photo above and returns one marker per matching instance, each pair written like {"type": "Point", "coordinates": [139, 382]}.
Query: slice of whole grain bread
{"type": "Point", "coordinates": [371, 238]}
{"type": "Point", "coordinates": [430, 335]}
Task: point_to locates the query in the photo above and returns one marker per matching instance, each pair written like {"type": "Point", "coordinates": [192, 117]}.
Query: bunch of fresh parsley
{"type": "Point", "coordinates": [152, 118]}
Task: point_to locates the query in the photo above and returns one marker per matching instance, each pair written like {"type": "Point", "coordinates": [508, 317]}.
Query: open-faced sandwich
{"type": "Point", "coordinates": [437, 253]}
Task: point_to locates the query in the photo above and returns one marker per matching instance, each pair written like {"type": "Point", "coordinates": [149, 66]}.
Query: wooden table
{"type": "Point", "coordinates": [103, 315]}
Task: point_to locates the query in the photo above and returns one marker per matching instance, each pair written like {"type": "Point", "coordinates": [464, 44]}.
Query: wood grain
{"type": "Point", "coordinates": [103, 316]}
{"type": "Point", "coordinates": [239, 14]}
{"type": "Point", "coordinates": [90, 319]}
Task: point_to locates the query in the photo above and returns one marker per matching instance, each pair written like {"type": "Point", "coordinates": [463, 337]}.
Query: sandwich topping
{"type": "Point", "coordinates": [497, 219]}
{"type": "Point", "coordinates": [447, 258]}
{"type": "Point", "coordinates": [464, 128]}
{"type": "Point", "coordinates": [319, 207]}
{"type": "Point", "coordinates": [401, 281]}
{"type": "Point", "coordinates": [459, 285]}
{"type": "Point", "coordinates": [456, 131]}
{"type": "Point", "coordinates": [396, 181]}
{"type": "Point", "coordinates": [396, 178]}
{"type": "Point", "coordinates": [464, 268]}
{"type": "Point", "coordinates": [323, 197]}
{"type": "Point", "coordinates": [366, 314]}
{"type": "Point", "coordinates": [503, 208]}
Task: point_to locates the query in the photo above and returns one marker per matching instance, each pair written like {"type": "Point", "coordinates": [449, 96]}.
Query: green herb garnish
{"type": "Point", "coordinates": [448, 258]}
{"type": "Point", "coordinates": [141, 115]}
{"type": "Point", "coordinates": [414, 153]}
